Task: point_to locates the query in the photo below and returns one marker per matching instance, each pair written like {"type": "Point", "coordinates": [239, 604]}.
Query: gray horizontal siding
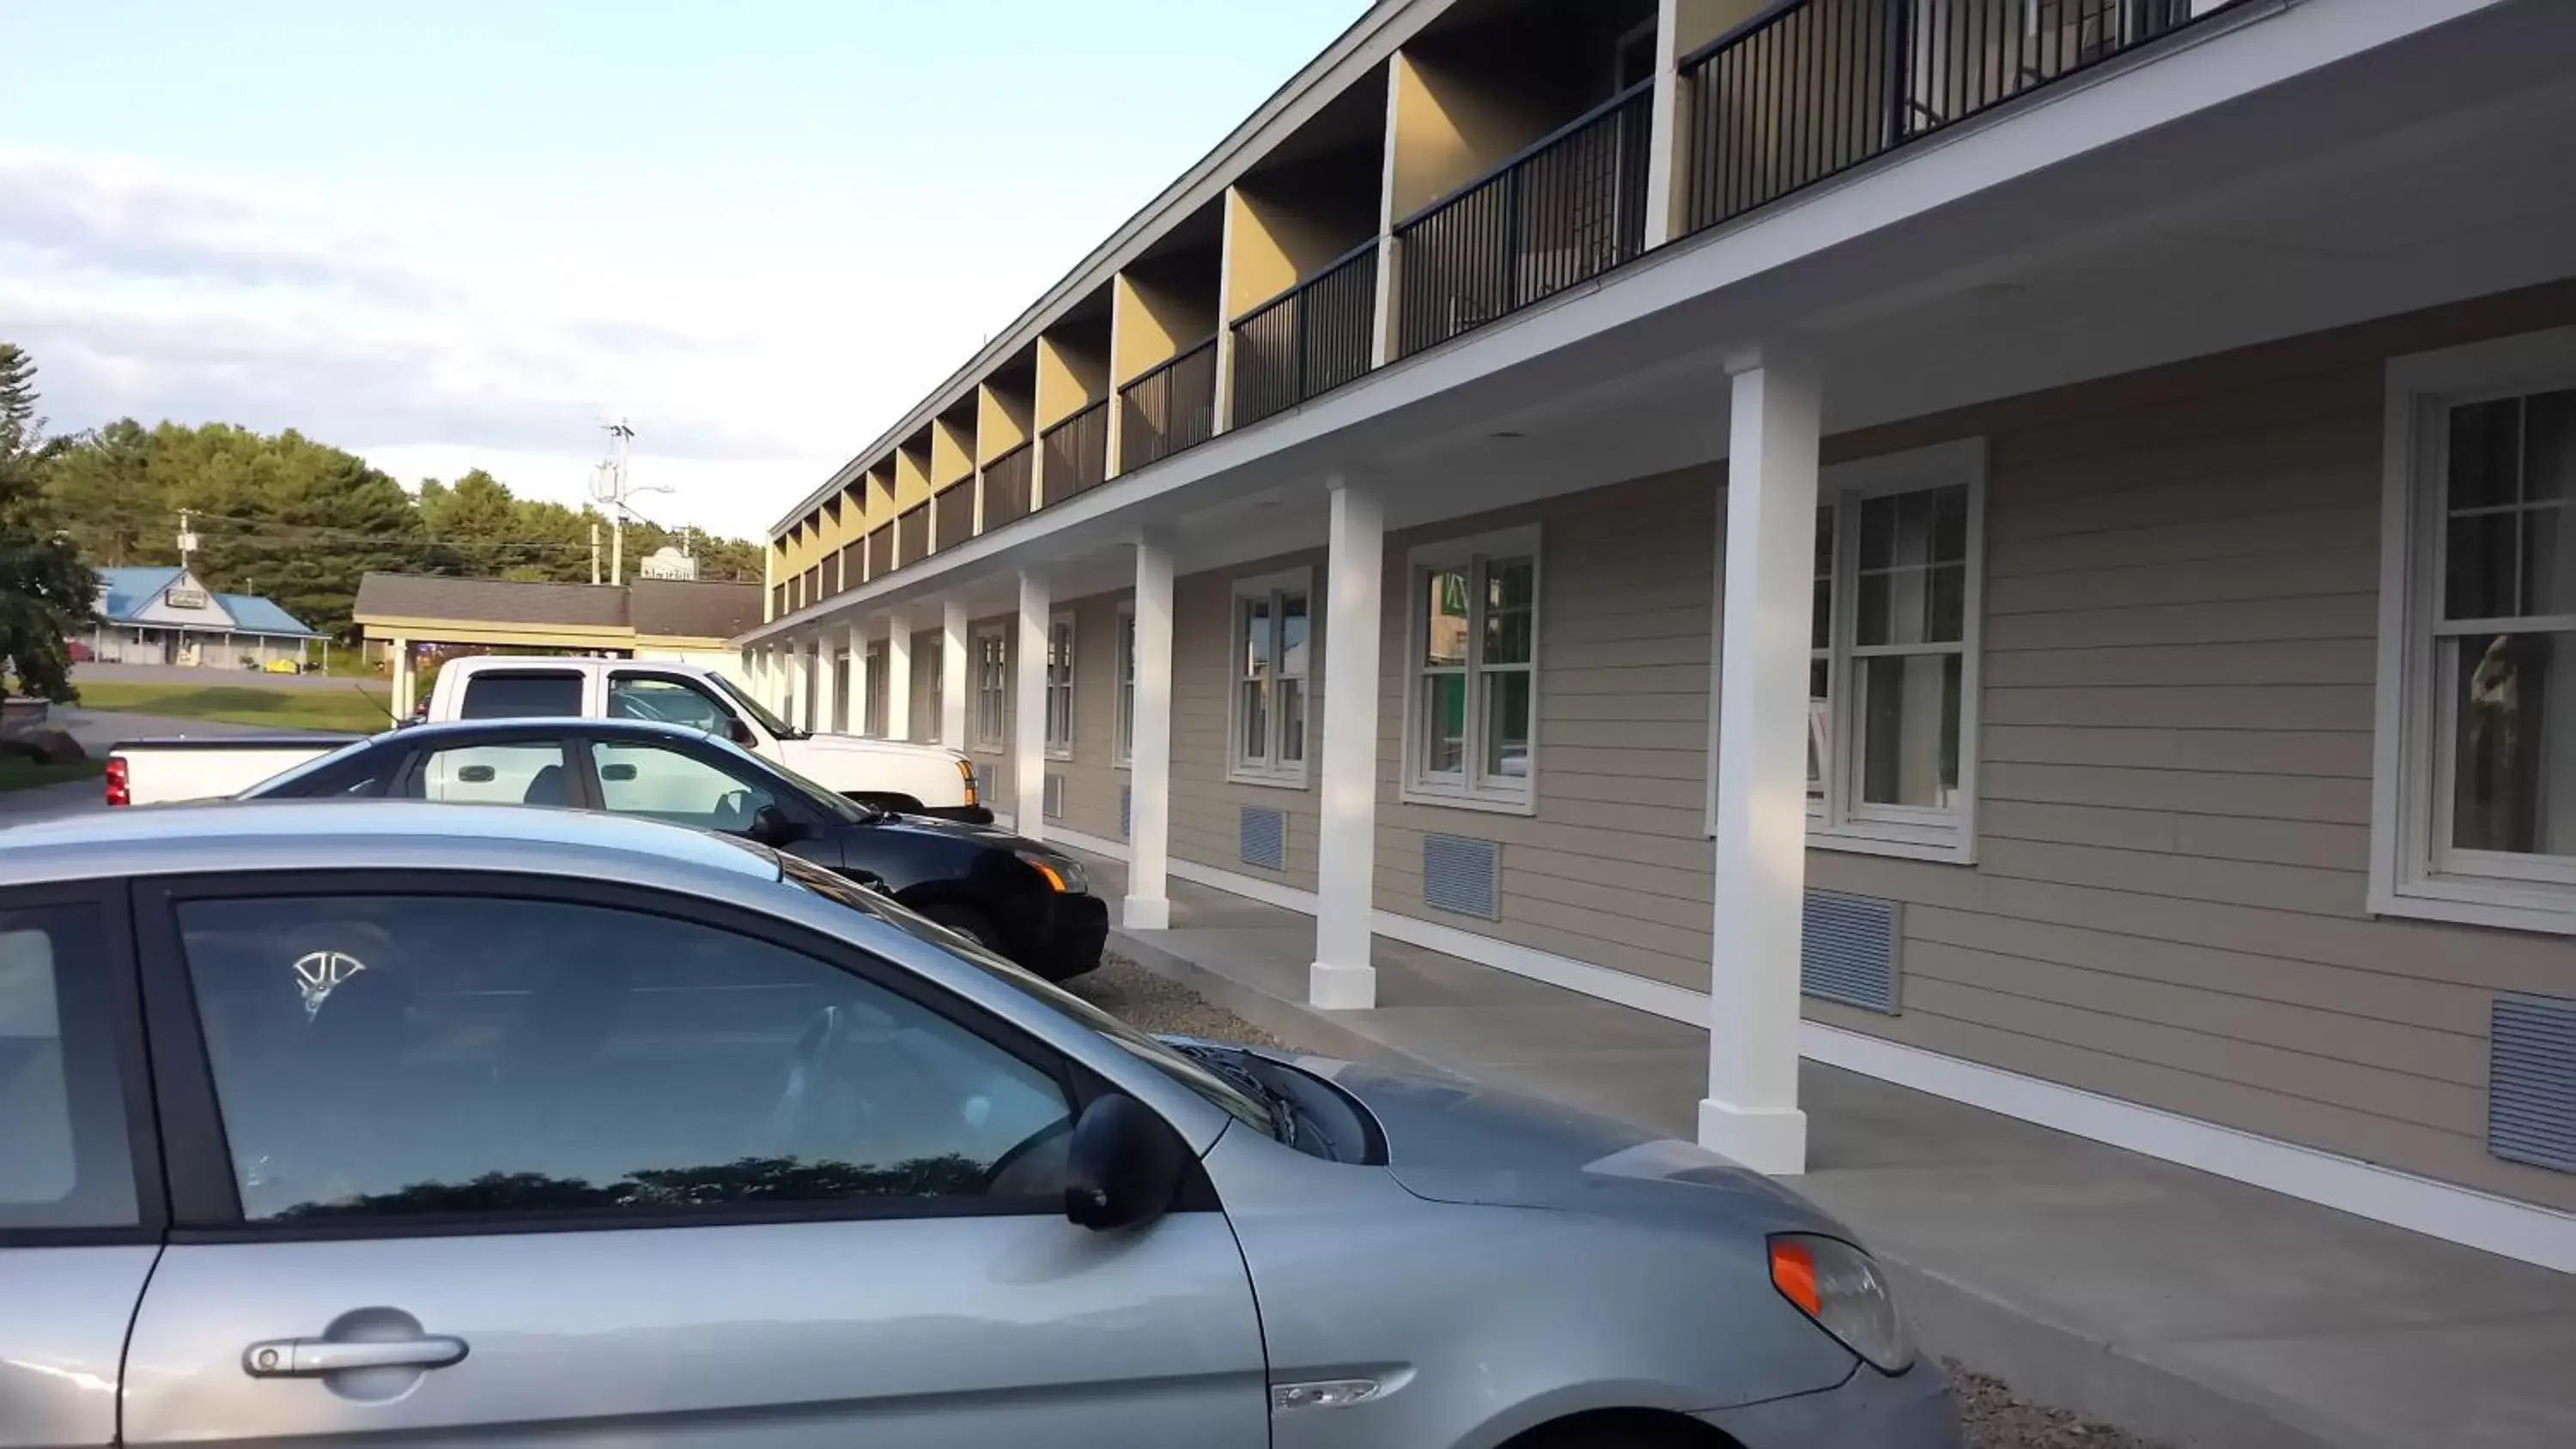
{"type": "Point", "coordinates": [1614, 866]}
{"type": "Point", "coordinates": [1207, 808]}
{"type": "Point", "coordinates": [1091, 781]}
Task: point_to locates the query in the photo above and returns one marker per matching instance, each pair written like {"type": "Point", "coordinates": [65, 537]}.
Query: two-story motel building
{"type": "Point", "coordinates": [2026, 548]}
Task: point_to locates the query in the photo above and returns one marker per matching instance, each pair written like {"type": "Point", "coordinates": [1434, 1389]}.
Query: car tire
{"type": "Point", "coordinates": [966, 923]}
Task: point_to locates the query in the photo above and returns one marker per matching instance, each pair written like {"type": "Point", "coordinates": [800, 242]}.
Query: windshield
{"type": "Point", "coordinates": [1234, 1101]}
{"type": "Point", "coordinates": [751, 706]}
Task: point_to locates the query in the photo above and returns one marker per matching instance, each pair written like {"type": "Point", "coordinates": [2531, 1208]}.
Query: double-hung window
{"type": "Point", "coordinates": [1059, 687]}
{"type": "Point", "coordinates": [1123, 750]}
{"type": "Point", "coordinates": [1272, 639]}
{"type": "Point", "coordinates": [992, 687]}
{"type": "Point", "coordinates": [2475, 799]}
{"type": "Point", "coordinates": [1471, 700]}
{"type": "Point", "coordinates": [878, 688]}
{"type": "Point", "coordinates": [1892, 663]}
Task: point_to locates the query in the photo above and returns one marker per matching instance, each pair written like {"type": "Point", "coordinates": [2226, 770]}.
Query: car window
{"type": "Point", "coordinates": [1228, 1098]}
{"type": "Point", "coordinates": [666, 784]}
{"type": "Point", "coordinates": [64, 1158]}
{"type": "Point", "coordinates": [390, 1056]}
{"type": "Point", "coordinates": [520, 773]}
{"type": "Point", "coordinates": [521, 694]}
{"type": "Point", "coordinates": [335, 774]}
{"type": "Point", "coordinates": [666, 701]}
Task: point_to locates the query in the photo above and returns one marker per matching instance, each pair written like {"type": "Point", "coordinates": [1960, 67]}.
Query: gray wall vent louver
{"type": "Point", "coordinates": [1850, 951]}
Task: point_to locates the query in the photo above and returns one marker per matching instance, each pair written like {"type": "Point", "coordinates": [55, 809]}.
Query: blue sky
{"type": "Point", "coordinates": [444, 235]}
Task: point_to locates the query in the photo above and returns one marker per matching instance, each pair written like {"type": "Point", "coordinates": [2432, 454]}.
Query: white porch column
{"type": "Point", "coordinates": [1751, 1111]}
{"type": "Point", "coordinates": [857, 723]}
{"type": "Point", "coordinates": [1342, 976]}
{"type": "Point", "coordinates": [1028, 712]}
{"type": "Point", "coordinates": [799, 703]}
{"type": "Point", "coordinates": [952, 674]}
{"type": "Point", "coordinates": [1663, 131]}
{"type": "Point", "coordinates": [898, 684]}
{"type": "Point", "coordinates": [827, 702]}
{"type": "Point", "coordinates": [1149, 772]}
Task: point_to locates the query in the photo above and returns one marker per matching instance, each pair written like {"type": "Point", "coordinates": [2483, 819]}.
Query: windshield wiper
{"type": "Point", "coordinates": [1283, 1108]}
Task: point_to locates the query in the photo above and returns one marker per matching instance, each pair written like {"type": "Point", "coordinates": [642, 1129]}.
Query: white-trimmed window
{"type": "Point", "coordinates": [1893, 655]}
{"type": "Point", "coordinates": [878, 688]}
{"type": "Point", "coordinates": [992, 687]}
{"type": "Point", "coordinates": [1123, 749]}
{"type": "Point", "coordinates": [2474, 814]}
{"type": "Point", "coordinates": [1059, 687]}
{"type": "Point", "coordinates": [1273, 631]}
{"type": "Point", "coordinates": [1471, 678]}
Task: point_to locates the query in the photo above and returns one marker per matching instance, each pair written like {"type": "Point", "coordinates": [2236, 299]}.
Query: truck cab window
{"type": "Point", "coordinates": [665, 700]}
{"type": "Point", "coordinates": [518, 695]}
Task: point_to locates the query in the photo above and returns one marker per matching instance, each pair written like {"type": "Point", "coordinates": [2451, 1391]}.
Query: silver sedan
{"type": "Point", "coordinates": [408, 1124]}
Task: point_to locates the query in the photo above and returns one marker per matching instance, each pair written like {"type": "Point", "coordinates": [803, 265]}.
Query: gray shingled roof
{"type": "Point", "coordinates": [679, 608]}
{"type": "Point", "coordinates": [660, 608]}
{"type": "Point", "coordinates": [489, 601]}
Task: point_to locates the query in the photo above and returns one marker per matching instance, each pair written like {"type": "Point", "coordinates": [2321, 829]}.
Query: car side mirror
{"type": "Point", "coordinates": [1123, 1165]}
{"type": "Point", "coordinates": [771, 827]}
{"type": "Point", "coordinates": [738, 730]}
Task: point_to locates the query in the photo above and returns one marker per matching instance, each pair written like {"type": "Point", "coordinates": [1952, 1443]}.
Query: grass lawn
{"type": "Point", "coordinates": [355, 709]}
{"type": "Point", "coordinates": [17, 772]}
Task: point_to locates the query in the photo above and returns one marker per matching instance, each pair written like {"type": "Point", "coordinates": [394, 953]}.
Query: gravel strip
{"type": "Point", "coordinates": [1995, 1418]}
{"type": "Point", "coordinates": [1157, 1004]}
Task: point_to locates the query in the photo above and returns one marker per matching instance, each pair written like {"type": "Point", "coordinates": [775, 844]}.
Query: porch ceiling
{"type": "Point", "coordinates": [2409, 176]}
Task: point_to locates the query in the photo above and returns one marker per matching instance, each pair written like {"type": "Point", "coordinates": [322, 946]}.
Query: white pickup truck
{"type": "Point", "coordinates": [913, 779]}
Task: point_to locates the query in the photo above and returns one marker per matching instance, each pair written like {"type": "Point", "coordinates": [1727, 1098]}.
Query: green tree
{"type": "Point", "coordinates": [110, 500]}
{"type": "Point", "coordinates": [474, 523]}
{"type": "Point", "coordinates": [45, 589]}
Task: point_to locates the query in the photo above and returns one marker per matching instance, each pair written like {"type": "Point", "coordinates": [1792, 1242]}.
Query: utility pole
{"type": "Point", "coordinates": [594, 551]}
{"type": "Point", "coordinates": [611, 487]}
{"type": "Point", "coordinates": [187, 538]}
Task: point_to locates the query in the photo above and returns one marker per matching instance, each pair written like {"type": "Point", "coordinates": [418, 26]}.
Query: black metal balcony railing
{"type": "Point", "coordinates": [1308, 340]}
{"type": "Point", "coordinates": [1077, 454]}
{"type": "Point", "coordinates": [1006, 487]}
{"type": "Point", "coordinates": [1814, 87]}
{"type": "Point", "coordinates": [881, 551]}
{"type": "Point", "coordinates": [1168, 410]}
{"type": "Point", "coordinates": [1559, 214]}
{"type": "Point", "coordinates": [955, 505]}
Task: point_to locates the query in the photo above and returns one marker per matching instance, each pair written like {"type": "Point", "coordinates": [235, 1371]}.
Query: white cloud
{"type": "Point", "coordinates": [159, 297]}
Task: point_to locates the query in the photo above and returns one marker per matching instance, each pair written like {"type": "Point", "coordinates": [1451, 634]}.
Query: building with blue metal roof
{"type": "Point", "coordinates": [166, 615]}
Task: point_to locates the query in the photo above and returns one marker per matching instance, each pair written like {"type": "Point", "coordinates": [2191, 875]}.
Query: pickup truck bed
{"type": "Point", "coordinates": [168, 770]}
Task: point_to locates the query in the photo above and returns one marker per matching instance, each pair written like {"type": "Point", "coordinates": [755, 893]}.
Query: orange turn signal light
{"type": "Point", "coordinates": [1793, 1272]}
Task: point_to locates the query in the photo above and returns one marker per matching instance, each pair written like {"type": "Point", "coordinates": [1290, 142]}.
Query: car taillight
{"type": "Point", "coordinates": [117, 793]}
{"type": "Point", "coordinates": [967, 769]}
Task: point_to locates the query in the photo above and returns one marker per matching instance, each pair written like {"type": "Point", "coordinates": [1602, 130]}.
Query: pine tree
{"type": "Point", "coordinates": [46, 592]}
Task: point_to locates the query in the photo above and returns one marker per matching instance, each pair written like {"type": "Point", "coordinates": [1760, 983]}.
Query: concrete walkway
{"type": "Point", "coordinates": [2182, 1306]}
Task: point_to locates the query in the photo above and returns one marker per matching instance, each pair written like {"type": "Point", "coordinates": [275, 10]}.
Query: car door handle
{"type": "Point", "coordinates": [299, 1358]}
